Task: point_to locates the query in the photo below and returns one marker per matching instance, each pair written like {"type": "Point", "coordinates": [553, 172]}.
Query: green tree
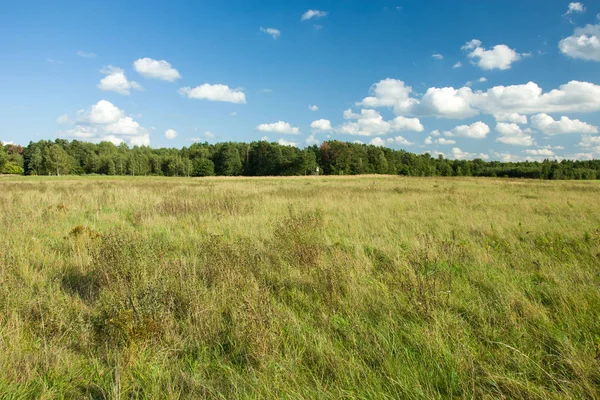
{"type": "Point", "coordinates": [3, 157]}
{"type": "Point", "coordinates": [203, 167]}
{"type": "Point", "coordinates": [228, 161]}
{"type": "Point", "coordinates": [36, 161]}
{"type": "Point", "coordinates": [56, 160]}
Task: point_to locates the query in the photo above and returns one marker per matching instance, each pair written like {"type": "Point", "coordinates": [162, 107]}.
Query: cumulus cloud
{"type": "Point", "coordinates": [156, 69]}
{"type": "Point", "coordinates": [371, 123]}
{"type": "Point", "coordinates": [447, 102]}
{"type": "Point", "coordinates": [548, 126]}
{"type": "Point", "coordinates": [209, 135]}
{"type": "Point", "coordinates": [498, 57]}
{"type": "Point", "coordinates": [437, 56]}
{"type": "Point", "coordinates": [216, 92]}
{"type": "Point", "coordinates": [584, 44]}
{"type": "Point", "coordinates": [589, 141]}
{"type": "Point", "coordinates": [170, 134]}
{"type": "Point", "coordinates": [279, 127]}
{"type": "Point", "coordinates": [399, 140]}
{"type": "Point", "coordinates": [321, 125]}
{"type": "Point", "coordinates": [464, 102]}
{"type": "Point", "coordinates": [457, 65]}
{"type": "Point", "coordinates": [284, 142]}
{"type": "Point", "coordinates": [441, 141]}
{"type": "Point", "coordinates": [575, 8]}
{"type": "Point", "coordinates": [275, 33]}
{"type": "Point", "coordinates": [349, 114]}
{"type": "Point", "coordinates": [379, 142]}
{"type": "Point", "coordinates": [512, 134]}
{"type": "Point", "coordinates": [511, 117]}
{"type": "Point", "coordinates": [116, 81]}
{"type": "Point", "coordinates": [313, 107]}
{"type": "Point", "coordinates": [458, 154]}
{"type": "Point", "coordinates": [444, 141]}
{"type": "Point", "coordinates": [311, 140]}
{"type": "Point", "coordinates": [477, 130]}
{"type": "Point", "coordinates": [480, 80]}
{"type": "Point", "coordinates": [104, 121]}
{"type": "Point", "coordinates": [63, 119]}
{"type": "Point", "coordinates": [539, 152]}
{"type": "Point", "coordinates": [313, 14]}
{"type": "Point", "coordinates": [83, 54]}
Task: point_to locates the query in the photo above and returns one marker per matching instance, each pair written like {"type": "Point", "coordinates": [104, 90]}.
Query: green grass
{"type": "Point", "coordinates": [355, 287]}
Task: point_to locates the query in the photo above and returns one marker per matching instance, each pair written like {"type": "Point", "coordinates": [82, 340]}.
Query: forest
{"type": "Point", "coordinates": [261, 158]}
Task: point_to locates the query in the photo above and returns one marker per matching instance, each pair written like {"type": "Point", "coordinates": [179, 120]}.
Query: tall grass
{"type": "Point", "coordinates": [358, 287]}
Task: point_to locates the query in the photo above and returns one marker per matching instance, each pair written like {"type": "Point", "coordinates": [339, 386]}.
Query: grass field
{"type": "Point", "coordinates": [368, 287]}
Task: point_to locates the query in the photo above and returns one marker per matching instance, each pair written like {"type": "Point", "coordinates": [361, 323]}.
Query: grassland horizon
{"type": "Point", "coordinates": [369, 286]}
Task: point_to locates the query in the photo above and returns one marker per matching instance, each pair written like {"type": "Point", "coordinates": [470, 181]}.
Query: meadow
{"type": "Point", "coordinates": [368, 287]}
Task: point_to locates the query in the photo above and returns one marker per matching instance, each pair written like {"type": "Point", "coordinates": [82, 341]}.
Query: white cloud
{"type": "Point", "coordinates": [83, 54]}
{"type": "Point", "coordinates": [321, 125]}
{"type": "Point", "coordinates": [458, 154]}
{"type": "Point", "coordinates": [63, 119]}
{"type": "Point", "coordinates": [428, 140]}
{"type": "Point", "coordinates": [157, 69]}
{"type": "Point", "coordinates": [539, 152]}
{"type": "Point", "coordinates": [477, 130]}
{"type": "Point", "coordinates": [457, 65]}
{"type": "Point", "coordinates": [389, 93]}
{"type": "Point", "coordinates": [278, 127]}
{"type": "Point", "coordinates": [264, 139]}
{"type": "Point", "coordinates": [437, 56]}
{"type": "Point", "coordinates": [313, 107]}
{"type": "Point", "coordinates": [511, 117]}
{"type": "Point", "coordinates": [444, 141]}
{"type": "Point", "coordinates": [265, 91]}
{"type": "Point", "coordinates": [435, 133]}
{"type": "Point", "coordinates": [463, 103]}
{"type": "Point", "coordinates": [513, 135]}
{"type": "Point", "coordinates": [480, 80]}
{"type": "Point", "coordinates": [348, 114]}
{"type": "Point", "coordinates": [170, 134]}
{"type": "Point", "coordinates": [583, 44]}
{"type": "Point", "coordinates": [548, 126]}
{"type": "Point", "coordinates": [311, 140]}
{"type": "Point", "coordinates": [275, 33]}
{"type": "Point", "coordinates": [371, 123]}
{"type": "Point", "coordinates": [209, 135]}
{"type": "Point", "coordinates": [575, 8]}
{"type": "Point", "coordinates": [399, 140]}
{"type": "Point", "coordinates": [379, 142]}
{"type": "Point", "coordinates": [498, 57]}
{"type": "Point", "coordinates": [104, 121]}
{"type": "Point", "coordinates": [589, 141]}
{"type": "Point", "coordinates": [284, 142]}
{"type": "Point", "coordinates": [116, 81]}
{"type": "Point", "coordinates": [313, 14]}
{"type": "Point", "coordinates": [234, 114]}
{"type": "Point", "coordinates": [216, 92]}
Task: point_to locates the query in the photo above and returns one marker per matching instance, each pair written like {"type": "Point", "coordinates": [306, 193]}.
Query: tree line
{"type": "Point", "coordinates": [63, 157]}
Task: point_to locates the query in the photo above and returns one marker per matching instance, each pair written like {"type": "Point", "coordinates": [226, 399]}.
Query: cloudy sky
{"type": "Point", "coordinates": [501, 80]}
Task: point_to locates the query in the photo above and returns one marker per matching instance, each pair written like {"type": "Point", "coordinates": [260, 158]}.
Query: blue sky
{"type": "Point", "coordinates": [506, 80]}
